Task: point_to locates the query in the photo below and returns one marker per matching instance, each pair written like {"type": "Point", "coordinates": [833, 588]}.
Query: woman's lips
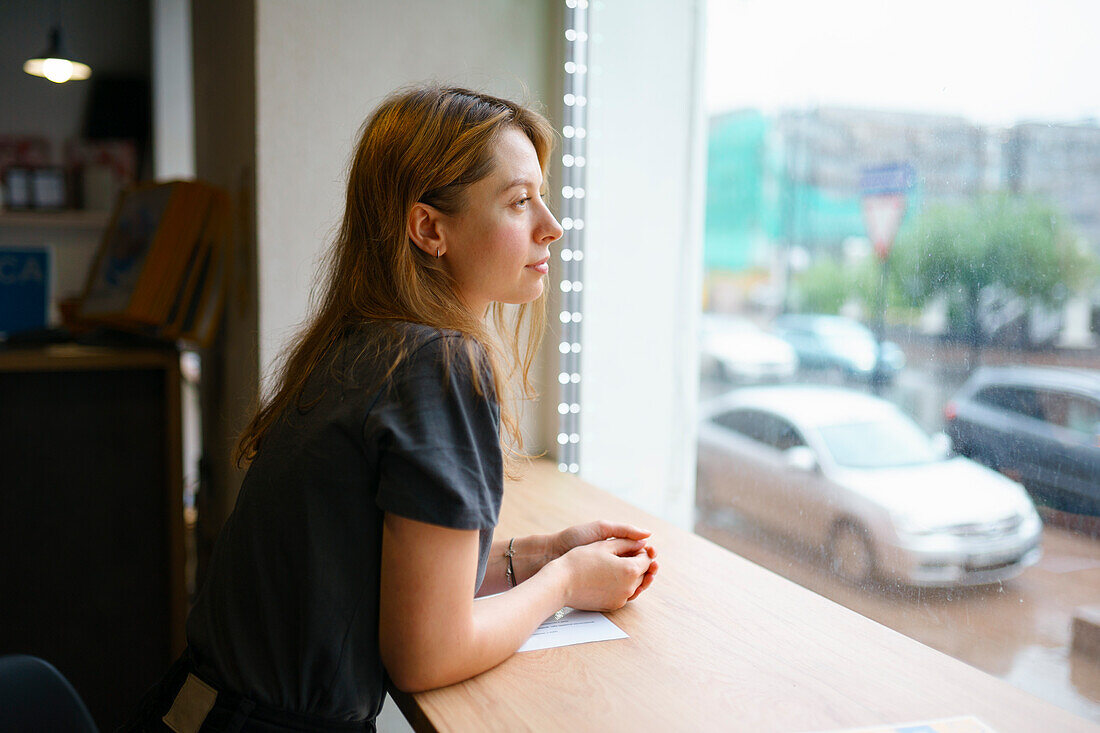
{"type": "Point", "coordinates": [543, 266]}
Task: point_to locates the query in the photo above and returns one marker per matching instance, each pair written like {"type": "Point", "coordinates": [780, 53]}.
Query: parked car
{"type": "Point", "coordinates": [736, 349]}
{"type": "Point", "coordinates": [1038, 425]}
{"type": "Point", "coordinates": [851, 474]}
{"type": "Point", "coordinates": [838, 344]}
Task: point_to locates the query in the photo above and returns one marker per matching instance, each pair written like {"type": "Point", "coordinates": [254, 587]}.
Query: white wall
{"type": "Point", "coordinates": [321, 68]}
{"type": "Point", "coordinates": [643, 258]}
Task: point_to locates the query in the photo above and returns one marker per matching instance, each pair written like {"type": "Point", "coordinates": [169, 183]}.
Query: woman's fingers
{"type": "Point", "coordinates": [647, 580]}
{"type": "Point", "coordinates": [626, 531]}
{"type": "Point", "coordinates": [626, 548]}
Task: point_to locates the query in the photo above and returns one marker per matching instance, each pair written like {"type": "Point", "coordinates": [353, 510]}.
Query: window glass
{"type": "Point", "coordinates": [878, 444]}
{"type": "Point", "coordinates": [1020, 400]}
{"type": "Point", "coordinates": [1070, 411]}
{"type": "Point", "coordinates": [904, 193]}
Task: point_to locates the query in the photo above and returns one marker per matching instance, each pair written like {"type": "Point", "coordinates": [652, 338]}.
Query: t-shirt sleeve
{"type": "Point", "coordinates": [438, 441]}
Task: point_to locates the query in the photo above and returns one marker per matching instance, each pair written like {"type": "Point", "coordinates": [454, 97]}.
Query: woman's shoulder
{"type": "Point", "coordinates": [409, 346]}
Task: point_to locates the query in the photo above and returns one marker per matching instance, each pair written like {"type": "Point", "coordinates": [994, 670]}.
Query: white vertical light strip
{"type": "Point", "coordinates": [574, 153]}
{"type": "Point", "coordinates": [173, 90]}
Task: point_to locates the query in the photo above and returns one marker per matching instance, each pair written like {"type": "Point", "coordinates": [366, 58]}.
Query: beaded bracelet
{"type": "Point", "coordinates": [510, 571]}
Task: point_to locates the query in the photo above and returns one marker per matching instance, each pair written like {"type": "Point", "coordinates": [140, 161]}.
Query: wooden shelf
{"type": "Point", "coordinates": [56, 219]}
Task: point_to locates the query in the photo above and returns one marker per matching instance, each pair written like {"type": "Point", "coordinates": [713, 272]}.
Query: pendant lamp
{"type": "Point", "coordinates": [55, 64]}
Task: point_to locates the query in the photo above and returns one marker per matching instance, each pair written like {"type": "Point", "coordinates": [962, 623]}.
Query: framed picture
{"type": "Point", "coordinates": [17, 188]}
{"type": "Point", "coordinates": [48, 188]}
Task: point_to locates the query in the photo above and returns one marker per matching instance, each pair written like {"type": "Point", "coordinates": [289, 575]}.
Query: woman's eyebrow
{"type": "Point", "coordinates": [521, 181]}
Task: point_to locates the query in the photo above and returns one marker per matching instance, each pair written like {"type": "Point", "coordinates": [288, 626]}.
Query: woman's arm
{"type": "Point", "coordinates": [431, 631]}
{"type": "Point", "coordinates": [532, 552]}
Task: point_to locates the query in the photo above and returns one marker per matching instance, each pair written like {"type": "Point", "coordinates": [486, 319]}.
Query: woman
{"type": "Point", "coordinates": [364, 527]}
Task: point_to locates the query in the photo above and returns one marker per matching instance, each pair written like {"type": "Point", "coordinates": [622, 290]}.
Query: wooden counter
{"type": "Point", "coordinates": [717, 643]}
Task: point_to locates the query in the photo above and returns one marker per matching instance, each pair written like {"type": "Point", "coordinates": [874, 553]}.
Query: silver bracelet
{"type": "Point", "coordinates": [510, 571]}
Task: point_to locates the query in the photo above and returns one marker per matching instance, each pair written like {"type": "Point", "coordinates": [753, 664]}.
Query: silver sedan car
{"type": "Point", "coordinates": [851, 474]}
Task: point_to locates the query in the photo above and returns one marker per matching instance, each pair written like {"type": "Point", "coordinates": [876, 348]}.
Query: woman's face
{"type": "Point", "coordinates": [498, 248]}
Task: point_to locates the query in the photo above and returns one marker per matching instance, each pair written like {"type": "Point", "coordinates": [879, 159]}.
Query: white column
{"type": "Point", "coordinates": [643, 259]}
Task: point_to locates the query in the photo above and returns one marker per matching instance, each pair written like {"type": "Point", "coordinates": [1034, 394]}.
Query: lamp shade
{"type": "Point", "coordinates": [54, 63]}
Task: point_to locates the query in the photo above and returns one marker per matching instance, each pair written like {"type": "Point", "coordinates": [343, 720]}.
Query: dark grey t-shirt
{"type": "Point", "coordinates": [288, 614]}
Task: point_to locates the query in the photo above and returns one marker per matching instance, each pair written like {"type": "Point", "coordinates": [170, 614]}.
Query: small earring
{"type": "Point", "coordinates": [437, 252]}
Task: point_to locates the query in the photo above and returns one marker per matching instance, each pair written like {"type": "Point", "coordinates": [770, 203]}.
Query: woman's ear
{"type": "Point", "coordinates": [424, 230]}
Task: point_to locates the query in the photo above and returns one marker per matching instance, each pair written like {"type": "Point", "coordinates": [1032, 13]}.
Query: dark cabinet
{"type": "Point", "coordinates": [91, 523]}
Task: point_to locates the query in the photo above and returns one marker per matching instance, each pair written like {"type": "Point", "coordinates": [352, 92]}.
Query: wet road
{"type": "Point", "coordinates": [1018, 631]}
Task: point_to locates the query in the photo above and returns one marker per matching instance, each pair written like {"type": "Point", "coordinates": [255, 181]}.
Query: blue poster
{"type": "Point", "coordinates": [24, 289]}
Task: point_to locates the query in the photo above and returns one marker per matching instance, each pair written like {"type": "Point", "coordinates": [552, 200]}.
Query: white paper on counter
{"type": "Point", "coordinates": [574, 627]}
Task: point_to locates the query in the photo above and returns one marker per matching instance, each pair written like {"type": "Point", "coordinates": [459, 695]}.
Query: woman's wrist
{"type": "Point", "coordinates": [559, 576]}
{"type": "Point", "coordinates": [532, 553]}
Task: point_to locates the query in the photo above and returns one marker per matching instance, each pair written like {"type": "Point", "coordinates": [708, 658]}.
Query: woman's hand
{"type": "Point", "coordinates": [604, 575]}
{"type": "Point", "coordinates": [586, 534]}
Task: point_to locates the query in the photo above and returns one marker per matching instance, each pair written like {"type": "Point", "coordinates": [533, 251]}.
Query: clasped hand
{"type": "Point", "coordinates": [609, 563]}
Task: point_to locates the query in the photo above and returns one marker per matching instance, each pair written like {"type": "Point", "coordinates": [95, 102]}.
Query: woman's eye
{"type": "Point", "coordinates": [523, 202]}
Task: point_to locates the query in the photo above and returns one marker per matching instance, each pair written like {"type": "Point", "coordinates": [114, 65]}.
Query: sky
{"type": "Point", "coordinates": [994, 62]}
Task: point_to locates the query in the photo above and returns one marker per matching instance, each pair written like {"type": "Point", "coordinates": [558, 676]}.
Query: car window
{"type": "Point", "coordinates": [878, 444]}
{"type": "Point", "coordinates": [762, 427]}
{"type": "Point", "coordinates": [750, 423]}
{"type": "Point", "coordinates": [1070, 411]}
{"type": "Point", "coordinates": [785, 435]}
{"type": "Point", "coordinates": [1021, 400]}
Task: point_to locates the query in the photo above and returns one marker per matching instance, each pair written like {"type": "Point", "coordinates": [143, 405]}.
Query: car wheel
{"type": "Point", "coordinates": [850, 553]}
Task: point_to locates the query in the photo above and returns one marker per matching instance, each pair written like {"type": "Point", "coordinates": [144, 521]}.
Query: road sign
{"type": "Point", "coordinates": [882, 217]}
{"type": "Point", "coordinates": [884, 190]}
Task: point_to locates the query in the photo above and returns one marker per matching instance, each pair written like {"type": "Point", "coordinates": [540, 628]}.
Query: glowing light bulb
{"type": "Point", "coordinates": [58, 71]}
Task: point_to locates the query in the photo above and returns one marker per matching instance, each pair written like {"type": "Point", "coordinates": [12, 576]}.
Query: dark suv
{"type": "Point", "coordinates": [1038, 425]}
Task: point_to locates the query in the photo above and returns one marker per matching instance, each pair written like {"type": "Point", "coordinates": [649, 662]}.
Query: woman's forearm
{"type": "Point", "coordinates": [532, 552]}
{"type": "Point", "coordinates": [495, 629]}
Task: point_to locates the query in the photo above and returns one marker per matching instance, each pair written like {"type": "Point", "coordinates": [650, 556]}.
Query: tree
{"type": "Point", "coordinates": [1021, 245]}
{"type": "Point", "coordinates": [822, 288]}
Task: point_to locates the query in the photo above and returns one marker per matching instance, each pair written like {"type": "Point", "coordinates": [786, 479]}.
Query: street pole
{"type": "Point", "coordinates": [878, 378]}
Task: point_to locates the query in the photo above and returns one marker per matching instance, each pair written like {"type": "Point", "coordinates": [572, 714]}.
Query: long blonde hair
{"type": "Point", "coordinates": [425, 144]}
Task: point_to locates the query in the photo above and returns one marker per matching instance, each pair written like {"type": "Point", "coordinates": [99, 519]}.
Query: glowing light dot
{"type": "Point", "coordinates": [577, 317]}
{"type": "Point", "coordinates": [575, 377]}
{"type": "Point", "coordinates": [563, 347]}
{"type": "Point", "coordinates": [579, 255]}
{"type": "Point", "coordinates": [563, 467]}
{"type": "Point", "coordinates": [575, 348]}
{"type": "Point", "coordinates": [563, 408]}
{"type": "Point", "coordinates": [565, 316]}
{"type": "Point", "coordinates": [578, 223]}
{"type": "Point", "coordinates": [580, 133]}
{"type": "Point", "coordinates": [570, 100]}
{"type": "Point", "coordinates": [570, 67]}
{"type": "Point", "coordinates": [567, 254]}
{"type": "Point", "coordinates": [563, 378]}
{"type": "Point", "coordinates": [567, 160]}
{"type": "Point", "coordinates": [563, 438]}
{"type": "Point", "coordinates": [568, 131]}
{"type": "Point", "coordinates": [567, 223]}
{"type": "Point", "coordinates": [578, 192]}
{"type": "Point", "coordinates": [566, 286]}
{"type": "Point", "coordinates": [574, 438]}
{"type": "Point", "coordinates": [574, 468]}
{"type": "Point", "coordinates": [579, 161]}
{"type": "Point", "coordinates": [577, 286]}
